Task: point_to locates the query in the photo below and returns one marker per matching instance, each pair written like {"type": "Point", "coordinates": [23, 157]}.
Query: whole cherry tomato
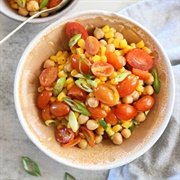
{"type": "Point", "coordinates": [45, 113]}
{"type": "Point", "coordinates": [145, 103]}
{"type": "Point", "coordinates": [59, 109]}
{"type": "Point", "coordinates": [92, 45]}
{"type": "Point", "coordinates": [43, 99]}
{"type": "Point", "coordinates": [111, 118]}
{"type": "Point", "coordinates": [125, 111]}
{"type": "Point", "coordinates": [97, 112]}
{"type": "Point", "coordinates": [127, 86]}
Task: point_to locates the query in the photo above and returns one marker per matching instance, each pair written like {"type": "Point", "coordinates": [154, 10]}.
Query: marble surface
{"type": "Point", "coordinates": [14, 143]}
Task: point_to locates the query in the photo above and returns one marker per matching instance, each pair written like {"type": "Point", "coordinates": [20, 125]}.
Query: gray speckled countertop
{"type": "Point", "coordinates": [14, 143]}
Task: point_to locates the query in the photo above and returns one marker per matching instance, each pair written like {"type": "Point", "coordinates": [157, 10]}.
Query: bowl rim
{"type": "Point", "coordinates": [112, 164]}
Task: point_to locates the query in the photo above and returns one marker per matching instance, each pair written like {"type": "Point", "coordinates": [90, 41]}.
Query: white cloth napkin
{"type": "Point", "coordinates": [162, 161]}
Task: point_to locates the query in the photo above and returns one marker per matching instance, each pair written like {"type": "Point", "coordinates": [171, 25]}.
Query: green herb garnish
{"type": "Point", "coordinates": [68, 176]}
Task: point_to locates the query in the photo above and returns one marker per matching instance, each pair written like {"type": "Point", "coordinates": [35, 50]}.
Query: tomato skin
{"type": "Point", "coordinates": [92, 45]}
{"type": "Point", "coordinates": [45, 113]}
{"type": "Point", "coordinates": [102, 69]}
{"type": "Point", "coordinates": [97, 112]}
{"type": "Point", "coordinates": [77, 93]}
{"type": "Point", "coordinates": [125, 112]}
{"type": "Point", "coordinates": [59, 109]}
{"type": "Point", "coordinates": [48, 76]}
{"type": "Point", "coordinates": [73, 28]}
{"type": "Point", "coordinates": [139, 59]}
{"type": "Point", "coordinates": [144, 75]}
{"type": "Point", "coordinates": [90, 137]}
{"type": "Point", "coordinates": [43, 99]}
{"type": "Point", "coordinates": [113, 60]}
{"type": "Point", "coordinates": [75, 64]}
{"type": "Point", "coordinates": [111, 117]}
{"type": "Point", "coordinates": [104, 94]}
{"type": "Point", "coordinates": [53, 3]}
{"type": "Point", "coordinates": [127, 86]}
{"type": "Point", "coordinates": [72, 143]}
{"type": "Point", "coordinates": [64, 135]}
{"type": "Point", "coordinates": [145, 103]}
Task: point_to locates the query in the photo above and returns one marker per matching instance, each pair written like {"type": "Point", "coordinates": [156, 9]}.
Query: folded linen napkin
{"type": "Point", "coordinates": [162, 161]}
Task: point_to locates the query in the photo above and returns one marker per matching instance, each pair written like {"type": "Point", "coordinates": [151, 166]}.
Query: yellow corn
{"type": "Point", "coordinates": [116, 43]}
{"type": "Point", "coordinates": [110, 41]}
{"type": "Point", "coordinates": [121, 53]}
{"type": "Point", "coordinates": [139, 88]}
{"type": "Point", "coordinates": [133, 45]}
{"type": "Point", "coordinates": [140, 44]}
{"type": "Point", "coordinates": [117, 52]}
{"type": "Point", "coordinates": [14, 6]}
{"type": "Point", "coordinates": [81, 43]}
{"type": "Point", "coordinates": [61, 67]}
{"type": "Point", "coordinates": [113, 82]}
{"type": "Point", "coordinates": [61, 59]}
{"type": "Point", "coordinates": [109, 34]}
{"type": "Point", "coordinates": [113, 75]}
{"type": "Point", "coordinates": [103, 79]}
{"type": "Point", "coordinates": [127, 48]}
{"type": "Point", "coordinates": [79, 50]}
{"type": "Point", "coordinates": [73, 50]}
{"type": "Point", "coordinates": [52, 99]}
{"type": "Point", "coordinates": [40, 89]}
{"type": "Point", "coordinates": [106, 28]}
{"type": "Point", "coordinates": [91, 94]}
{"type": "Point", "coordinates": [100, 130]}
{"type": "Point", "coordinates": [62, 74]}
{"type": "Point", "coordinates": [110, 131]}
{"type": "Point", "coordinates": [123, 43]}
{"type": "Point", "coordinates": [53, 58]}
{"type": "Point", "coordinates": [69, 81]}
{"type": "Point", "coordinates": [117, 128]}
{"type": "Point", "coordinates": [59, 53]}
{"type": "Point", "coordinates": [76, 114]}
{"type": "Point", "coordinates": [146, 49]}
{"type": "Point", "coordinates": [96, 58]}
{"type": "Point", "coordinates": [126, 124]}
{"type": "Point", "coordinates": [74, 72]}
{"type": "Point", "coordinates": [69, 86]}
{"type": "Point", "coordinates": [61, 96]}
{"type": "Point", "coordinates": [103, 50]}
{"type": "Point", "coordinates": [97, 80]}
{"type": "Point", "coordinates": [103, 58]}
{"type": "Point", "coordinates": [105, 107]}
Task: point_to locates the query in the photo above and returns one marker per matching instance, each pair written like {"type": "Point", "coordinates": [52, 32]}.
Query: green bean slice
{"type": "Point", "coordinates": [156, 84]}
{"type": "Point", "coordinates": [103, 124]}
{"type": "Point", "coordinates": [43, 4]}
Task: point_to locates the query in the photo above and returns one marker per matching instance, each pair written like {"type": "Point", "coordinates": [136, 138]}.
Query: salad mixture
{"type": "Point", "coordinates": [31, 7]}
{"type": "Point", "coordinates": [101, 89]}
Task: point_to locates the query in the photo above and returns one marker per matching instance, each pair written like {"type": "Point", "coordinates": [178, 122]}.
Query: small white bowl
{"type": "Point", "coordinates": [105, 155]}
{"type": "Point", "coordinates": [12, 14]}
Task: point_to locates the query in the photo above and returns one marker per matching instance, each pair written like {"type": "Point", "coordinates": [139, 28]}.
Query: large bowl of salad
{"type": "Point", "coordinates": [94, 90]}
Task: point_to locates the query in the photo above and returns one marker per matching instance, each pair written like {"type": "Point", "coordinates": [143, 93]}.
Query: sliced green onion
{"type": "Point", "coordinates": [21, 3]}
{"type": "Point", "coordinates": [30, 166]}
{"type": "Point", "coordinates": [103, 124]}
{"type": "Point", "coordinates": [68, 176]}
{"type": "Point", "coordinates": [92, 83]}
{"type": "Point", "coordinates": [59, 86]}
{"type": "Point", "coordinates": [131, 128]}
{"type": "Point", "coordinates": [43, 3]}
{"type": "Point", "coordinates": [73, 121]}
{"type": "Point", "coordinates": [76, 106]}
{"type": "Point", "coordinates": [83, 77]}
{"type": "Point", "coordinates": [50, 122]}
{"type": "Point", "coordinates": [81, 84]}
{"type": "Point", "coordinates": [74, 40]}
{"type": "Point", "coordinates": [146, 112]}
{"type": "Point", "coordinates": [121, 76]}
{"type": "Point", "coordinates": [156, 84]}
{"type": "Point", "coordinates": [80, 68]}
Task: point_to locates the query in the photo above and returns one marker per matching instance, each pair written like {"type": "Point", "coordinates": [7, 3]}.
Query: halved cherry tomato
{"type": "Point", "coordinates": [127, 86]}
{"type": "Point", "coordinates": [43, 99]}
{"type": "Point", "coordinates": [92, 45]}
{"type": "Point", "coordinates": [53, 3]}
{"type": "Point", "coordinates": [64, 135]}
{"type": "Point", "coordinates": [125, 112]}
{"type": "Point", "coordinates": [102, 69]}
{"type": "Point", "coordinates": [97, 112]}
{"type": "Point", "coordinates": [72, 143]}
{"type": "Point", "coordinates": [77, 93]}
{"type": "Point", "coordinates": [139, 59]}
{"type": "Point", "coordinates": [73, 28]}
{"type": "Point", "coordinates": [111, 118]}
{"type": "Point", "coordinates": [104, 94]}
{"type": "Point", "coordinates": [144, 75]}
{"type": "Point", "coordinates": [45, 113]}
{"type": "Point", "coordinates": [90, 137]}
{"type": "Point", "coordinates": [145, 103]}
{"type": "Point", "coordinates": [113, 60]}
{"type": "Point", "coordinates": [59, 109]}
{"type": "Point", "coordinates": [48, 76]}
{"type": "Point", "coordinates": [77, 63]}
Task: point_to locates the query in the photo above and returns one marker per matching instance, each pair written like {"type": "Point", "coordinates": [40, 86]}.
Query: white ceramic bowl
{"type": "Point", "coordinates": [12, 14]}
{"type": "Point", "coordinates": [105, 155]}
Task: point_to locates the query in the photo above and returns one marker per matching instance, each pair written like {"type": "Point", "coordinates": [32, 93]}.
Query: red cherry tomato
{"type": "Point", "coordinates": [90, 137]}
{"type": "Point", "coordinates": [102, 69]}
{"type": "Point", "coordinates": [76, 64]}
{"type": "Point", "coordinates": [127, 86]}
{"type": "Point", "coordinates": [73, 142]}
{"type": "Point", "coordinates": [43, 99]}
{"type": "Point", "coordinates": [73, 28]}
{"type": "Point", "coordinates": [97, 112]}
{"type": "Point", "coordinates": [139, 59]}
{"type": "Point", "coordinates": [125, 112]}
{"type": "Point", "coordinates": [45, 113]}
{"type": "Point", "coordinates": [104, 94]}
{"type": "Point", "coordinates": [144, 75]}
{"type": "Point", "coordinates": [48, 76]}
{"type": "Point", "coordinates": [113, 60]}
{"type": "Point", "coordinates": [145, 103]}
{"type": "Point", "coordinates": [64, 135]}
{"type": "Point", "coordinates": [77, 93]}
{"type": "Point", "coordinates": [111, 117]}
{"type": "Point", "coordinates": [53, 3]}
{"type": "Point", "coordinates": [59, 109]}
{"type": "Point", "coordinates": [92, 45]}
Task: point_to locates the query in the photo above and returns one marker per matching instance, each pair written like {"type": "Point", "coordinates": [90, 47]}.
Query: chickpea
{"type": "Point", "coordinates": [44, 14]}
{"type": "Point", "coordinates": [68, 67]}
{"type": "Point", "coordinates": [135, 95]}
{"type": "Point", "coordinates": [122, 60]}
{"type": "Point", "coordinates": [113, 30]}
{"type": "Point", "coordinates": [98, 33]}
{"type": "Point", "coordinates": [118, 35]}
{"type": "Point", "coordinates": [98, 139]}
{"type": "Point", "coordinates": [31, 13]}
{"type": "Point", "coordinates": [150, 81]}
{"type": "Point", "coordinates": [93, 102]}
{"type": "Point", "coordinates": [117, 138]}
{"type": "Point", "coordinates": [126, 133]}
{"type": "Point", "coordinates": [148, 90]}
{"type": "Point", "coordinates": [32, 6]}
{"type": "Point", "coordinates": [127, 99]}
{"type": "Point", "coordinates": [110, 48]}
{"type": "Point", "coordinates": [23, 11]}
{"type": "Point", "coordinates": [49, 63]}
{"type": "Point", "coordinates": [82, 119]}
{"type": "Point", "coordinates": [102, 42]}
{"type": "Point", "coordinates": [83, 144]}
{"type": "Point", "coordinates": [140, 117]}
{"type": "Point", "coordinates": [92, 124]}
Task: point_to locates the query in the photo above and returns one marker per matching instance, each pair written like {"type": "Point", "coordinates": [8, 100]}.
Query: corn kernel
{"type": "Point", "coordinates": [110, 131]}
{"type": "Point", "coordinates": [74, 72]}
{"type": "Point", "coordinates": [121, 70]}
{"type": "Point", "coordinates": [117, 53]}
{"type": "Point", "coordinates": [79, 50]}
{"type": "Point", "coordinates": [53, 58]}
{"type": "Point", "coordinates": [62, 74]}
{"type": "Point", "coordinates": [58, 53]}
{"type": "Point", "coordinates": [126, 124]}
{"type": "Point", "coordinates": [110, 41]}
{"type": "Point", "coordinates": [40, 89]}
{"type": "Point", "coordinates": [133, 45]}
{"type": "Point", "coordinates": [109, 34]}
{"type": "Point", "coordinates": [116, 43]}
{"type": "Point", "coordinates": [96, 58]}
{"type": "Point", "coordinates": [61, 96]}
{"type": "Point", "coordinates": [117, 128]}
{"type": "Point", "coordinates": [113, 75]}
{"type": "Point", "coordinates": [105, 107]}
{"type": "Point", "coordinates": [97, 80]}
{"type": "Point", "coordinates": [91, 94]}
{"type": "Point", "coordinates": [61, 67]}
{"type": "Point", "coordinates": [14, 6]}
{"type": "Point", "coordinates": [127, 48]}
{"type": "Point", "coordinates": [106, 28]}
{"type": "Point", "coordinates": [52, 99]}
{"type": "Point", "coordinates": [73, 50]}
{"type": "Point", "coordinates": [103, 79]}
{"type": "Point", "coordinates": [61, 59]}
{"type": "Point", "coordinates": [146, 49]}
{"type": "Point", "coordinates": [69, 81]}
{"type": "Point", "coordinates": [65, 54]}
{"type": "Point", "coordinates": [81, 43]}
{"type": "Point", "coordinates": [121, 53]}
{"type": "Point", "coordinates": [140, 44]}
{"type": "Point", "coordinates": [123, 43]}
{"type": "Point", "coordinates": [100, 130]}
{"type": "Point", "coordinates": [139, 88]}
{"type": "Point", "coordinates": [103, 50]}
{"type": "Point", "coordinates": [76, 114]}
{"type": "Point", "coordinates": [69, 86]}
{"type": "Point", "coordinates": [113, 82]}
{"type": "Point", "coordinates": [103, 58]}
